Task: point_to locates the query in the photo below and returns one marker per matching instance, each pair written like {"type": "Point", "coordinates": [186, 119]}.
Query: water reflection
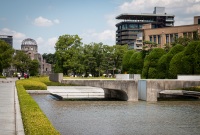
{"type": "Point", "coordinates": [121, 117]}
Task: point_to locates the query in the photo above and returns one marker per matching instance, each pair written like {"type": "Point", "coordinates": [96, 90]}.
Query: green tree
{"type": "Point", "coordinates": [136, 63]}
{"type": "Point", "coordinates": [189, 57]}
{"type": "Point", "coordinates": [164, 61]}
{"type": "Point", "coordinates": [67, 53]}
{"type": "Point", "coordinates": [151, 62]}
{"type": "Point", "coordinates": [126, 59]}
{"type": "Point", "coordinates": [33, 68]}
{"type": "Point", "coordinates": [6, 53]}
{"type": "Point", "coordinates": [176, 65]}
{"type": "Point", "coordinates": [197, 59]}
{"type": "Point", "coordinates": [21, 61]}
{"type": "Point", "coordinates": [50, 58]}
{"type": "Point", "coordinates": [118, 54]}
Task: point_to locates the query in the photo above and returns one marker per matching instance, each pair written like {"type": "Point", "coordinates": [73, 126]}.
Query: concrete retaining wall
{"type": "Point", "coordinates": [153, 87]}
{"type": "Point", "coordinates": [188, 77]}
{"type": "Point", "coordinates": [56, 77]}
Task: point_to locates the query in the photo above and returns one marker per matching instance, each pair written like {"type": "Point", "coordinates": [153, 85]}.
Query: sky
{"type": "Point", "coordinates": [92, 20]}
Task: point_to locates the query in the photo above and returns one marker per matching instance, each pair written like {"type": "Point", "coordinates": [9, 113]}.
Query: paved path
{"type": "Point", "coordinates": [10, 116]}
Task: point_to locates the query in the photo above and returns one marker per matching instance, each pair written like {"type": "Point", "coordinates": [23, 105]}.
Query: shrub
{"type": "Point", "coordinates": [2, 77]}
{"type": "Point", "coordinates": [194, 88]}
{"type": "Point", "coordinates": [29, 84]}
{"type": "Point", "coordinates": [47, 82]}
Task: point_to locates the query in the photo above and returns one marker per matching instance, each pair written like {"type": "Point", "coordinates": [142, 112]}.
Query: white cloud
{"type": "Point", "coordinates": [193, 9]}
{"type": "Point", "coordinates": [40, 40]}
{"type": "Point", "coordinates": [181, 9]}
{"type": "Point", "coordinates": [56, 21]}
{"type": "Point", "coordinates": [44, 22]}
{"type": "Point", "coordinates": [18, 37]}
{"type": "Point", "coordinates": [106, 37]}
{"type": "Point", "coordinates": [46, 45]}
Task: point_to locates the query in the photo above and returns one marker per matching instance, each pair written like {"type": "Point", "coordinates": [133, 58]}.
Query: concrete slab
{"type": "Point", "coordinates": [76, 92]}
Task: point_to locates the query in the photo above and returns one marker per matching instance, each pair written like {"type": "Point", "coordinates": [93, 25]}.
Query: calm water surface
{"type": "Point", "coordinates": [121, 117]}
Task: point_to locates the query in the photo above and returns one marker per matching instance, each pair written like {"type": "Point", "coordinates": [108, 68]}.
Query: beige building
{"type": "Point", "coordinates": [167, 35]}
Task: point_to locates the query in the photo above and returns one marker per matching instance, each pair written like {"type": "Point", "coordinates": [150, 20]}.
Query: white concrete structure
{"type": "Point", "coordinates": [128, 76]}
{"type": "Point", "coordinates": [188, 77]}
{"type": "Point", "coordinates": [74, 92]}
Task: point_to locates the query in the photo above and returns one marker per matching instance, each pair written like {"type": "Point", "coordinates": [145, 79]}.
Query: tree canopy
{"type": "Point", "coordinates": [6, 53]}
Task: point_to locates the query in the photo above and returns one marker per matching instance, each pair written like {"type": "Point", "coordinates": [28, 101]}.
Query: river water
{"type": "Point", "coordinates": [122, 117]}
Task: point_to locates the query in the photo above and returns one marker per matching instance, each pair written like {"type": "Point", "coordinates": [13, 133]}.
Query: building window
{"type": "Point", "coordinates": [176, 36]}
{"type": "Point", "coordinates": [154, 39]}
{"type": "Point", "coordinates": [150, 38]}
{"type": "Point", "coordinates": [167, 38]}
{"type": "Point", "coordinates": [198, 21]}
{"type": "Point", "coordinates": [189, 34]}
{"type": "Point", "coordinates": [132, 26]}
{"type": "Point", "coordinates": [184, 34]}
{"type": "Point", "coordinates": [159, 39]}
{"type": "Point", "coordinates": [171, 38]}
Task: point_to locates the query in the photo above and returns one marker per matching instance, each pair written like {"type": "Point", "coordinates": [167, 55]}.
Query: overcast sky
{"type": "Point", "coordinates": [92, 20]}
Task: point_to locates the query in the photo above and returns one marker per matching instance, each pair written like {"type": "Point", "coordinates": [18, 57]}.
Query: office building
{"type": "Point", "coordinates": [167, 35]}
{"type": "Point", "coordinates": [132, 24]}
{"type": "Point", "coordinates": [7, 39]}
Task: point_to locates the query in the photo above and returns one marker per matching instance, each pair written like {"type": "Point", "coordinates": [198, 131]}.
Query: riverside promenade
{"type": "Point", "coordinates": [10, 116]}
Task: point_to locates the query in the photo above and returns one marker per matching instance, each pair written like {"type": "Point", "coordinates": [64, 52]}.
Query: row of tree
{"type": "Point", "coordinates": [164, 63]}
{"type": "Point", "coordinates": [21, 61]}
{"type": "Point", "coordinates": [72, 56]}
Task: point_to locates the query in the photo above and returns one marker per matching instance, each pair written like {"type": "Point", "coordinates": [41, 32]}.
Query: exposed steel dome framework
{"type": "Point", "coordinates": [29, 41]}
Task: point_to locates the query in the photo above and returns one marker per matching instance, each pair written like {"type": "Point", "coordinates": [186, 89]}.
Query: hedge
{"type": "Point", "coordinates": [34, 120]}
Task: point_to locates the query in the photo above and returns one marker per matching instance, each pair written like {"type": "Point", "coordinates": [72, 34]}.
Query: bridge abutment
{"type": "Point", "coordinates": [120, 89]}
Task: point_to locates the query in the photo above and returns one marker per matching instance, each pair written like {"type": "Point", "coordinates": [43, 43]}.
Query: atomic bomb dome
{"type": "Point", "coordinates": [29, 41]}
{"type": "Point", "coordinates": [29, 45]}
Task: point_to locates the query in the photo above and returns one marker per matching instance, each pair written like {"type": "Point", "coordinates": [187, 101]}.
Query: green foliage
{"type": "Point", "coordinates": [197, 59]}
{"type": "Point", "coordinates": [164, 62]}
{"type": "Point", "coordinates": [2, 77]}
{"type": "Point", "coordinates": [33, 68]}
{"type": "Point", "coordinates": [136, 63]}
{"type": "Point", "coordinates": [21, 61]}
{"type": "Point", "coordinates": [151, 62]}
{"type": "Point", "coordinates": [45, 80]}
{"type": "Point", "coordinates": [34, 120]}
{"type": "Point", "coordinates": [126, 59]}
{"type": "Point", "coordinates": [189, 58]}
{"type": "Point", "coordinates": [176, 65]}
{"type": "Point", "coordinates": [50, 58]}
{"type": "Point", "coordinates": [30, 84]}
{"type": "Point", "coordinates": [184, 41]}
{"type": "Point", "coordinates": [6, 53]}
{"type": "Point", "coordinates": [194, 88]}
{"type": "Point", "coordinates": [93, 58]}
{"type": "Point", "coordinates": [68, 53]}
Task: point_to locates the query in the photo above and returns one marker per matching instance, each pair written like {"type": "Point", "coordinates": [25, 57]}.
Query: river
{"type": "Point", "coordinates": [121, 117]}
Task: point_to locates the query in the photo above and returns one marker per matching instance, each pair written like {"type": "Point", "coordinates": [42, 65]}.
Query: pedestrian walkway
{"type": "Point", "coordinates": [10, 116]}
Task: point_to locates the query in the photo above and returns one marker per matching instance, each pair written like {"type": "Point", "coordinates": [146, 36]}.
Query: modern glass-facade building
{"type": "Point", "coordinates": [132, 24]}
{"type": "Point", "coordinates": [7, 39]}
